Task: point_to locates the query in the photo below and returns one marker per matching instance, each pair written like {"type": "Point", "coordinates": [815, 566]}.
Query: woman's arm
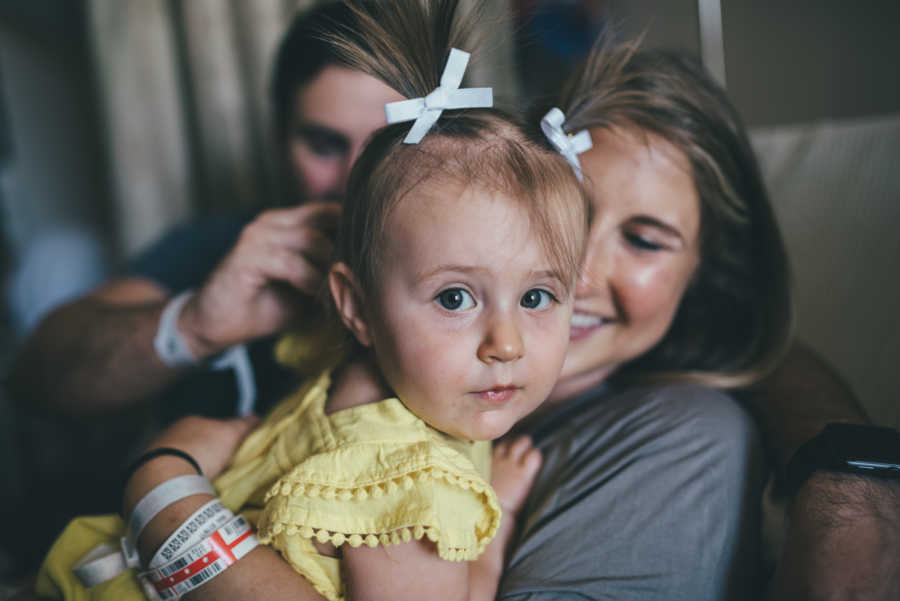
{"type": "Point", "coordinates": [261, 575]}
{"type": "Point", "coordinates": [798, 399]}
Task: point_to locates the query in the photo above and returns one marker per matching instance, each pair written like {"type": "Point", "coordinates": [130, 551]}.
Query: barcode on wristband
{"type": "Point", "coordinates": [206, 574]}
{"type": "Point", "coordinates": [198, 579]}
{"type": "Point", "coordinates": [204, 560]}
{"type": "Point", "coordinates": [204, 522]}
{"type": "Point", "coordinates": [196, 552]}
{"type": "Point", "coordinates": [235, 528]}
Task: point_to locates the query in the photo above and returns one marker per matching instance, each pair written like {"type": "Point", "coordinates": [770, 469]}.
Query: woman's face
{"type": "Point", "coordinates": [642, 251]}
{"type": "Point", "coordinates": [333, 117]}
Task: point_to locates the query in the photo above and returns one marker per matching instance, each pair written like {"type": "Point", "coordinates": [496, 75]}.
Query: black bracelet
{"type": "Point", "coordinates": [158, 453]}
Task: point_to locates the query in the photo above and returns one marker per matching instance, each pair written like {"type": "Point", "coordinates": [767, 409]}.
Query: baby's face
{"type": "Point", "coordinates": [470, 320]}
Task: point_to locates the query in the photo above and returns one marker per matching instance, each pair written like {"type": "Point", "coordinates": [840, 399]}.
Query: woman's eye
{"type": "Point", "coordinates": [642, 243]}
{"type": "Point", "coordinates": [536, 299]}
{"type": "Point", "coordinates": [455, 299]}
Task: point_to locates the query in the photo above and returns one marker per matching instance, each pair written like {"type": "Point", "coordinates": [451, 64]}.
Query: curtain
{"type": "Point", "coordinates": [183, 98]}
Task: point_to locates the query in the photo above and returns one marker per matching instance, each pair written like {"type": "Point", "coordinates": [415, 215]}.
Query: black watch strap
{"type": "Point", "coordinates": [850, 448]}
{"type": "Point", "coordinates": [806, 461]}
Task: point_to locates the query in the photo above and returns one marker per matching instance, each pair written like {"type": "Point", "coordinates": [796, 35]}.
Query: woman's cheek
{"type": "Point", "coordinates": [647, 291]}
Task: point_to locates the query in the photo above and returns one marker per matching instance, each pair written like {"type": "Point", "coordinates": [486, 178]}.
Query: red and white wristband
{"type": "Point", "coordinates": [105, 561]}
{"type": "Point", "coordinates": [202, 547]}
{"type": "Point", "coordinates": [203, 561]}
{"type": "Point", "coordinates": [197, 527]}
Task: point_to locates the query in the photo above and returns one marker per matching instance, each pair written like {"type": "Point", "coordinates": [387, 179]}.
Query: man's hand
{"type": "Point", "coordinates": [843, 540]}
{"type": "Point", "coordinates": [257, 288]}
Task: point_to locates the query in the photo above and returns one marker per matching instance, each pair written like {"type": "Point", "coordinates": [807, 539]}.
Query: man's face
{"type": "Point", "coordinates": [331, 121]}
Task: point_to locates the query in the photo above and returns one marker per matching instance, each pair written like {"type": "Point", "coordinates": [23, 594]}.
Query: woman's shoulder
{"type": "Point", "coordinates": [647, 405]}
{"type": "Point", "coordinates": [680, 401]}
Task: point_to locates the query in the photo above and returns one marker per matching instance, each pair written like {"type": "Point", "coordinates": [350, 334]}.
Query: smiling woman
{"type": "Point", "coordinates": [651, 479]}
{"type": "Point", "coordinates": [693, 271]}
{"type": "Point", "coordinates": [643, 251]}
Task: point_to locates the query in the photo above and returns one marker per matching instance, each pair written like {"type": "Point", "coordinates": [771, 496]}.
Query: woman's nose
{"type": "Point", "coordinates": [502, 341]}
{"type": "Point", "coordinates": [596, 269]}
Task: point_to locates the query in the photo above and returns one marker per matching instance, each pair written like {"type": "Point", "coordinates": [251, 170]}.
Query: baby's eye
{"type": "Point", "coordinates": [455, 299]}
{"type": "Point", "coordinates": [536, 299]}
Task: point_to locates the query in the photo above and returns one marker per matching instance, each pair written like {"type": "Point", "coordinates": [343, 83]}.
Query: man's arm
{"type": "Point", "coordinates": [795, 402]}
{"type": "Point", "coordinates": [96, 354]}
{"type": "Point", "coordinates": [844, 530]}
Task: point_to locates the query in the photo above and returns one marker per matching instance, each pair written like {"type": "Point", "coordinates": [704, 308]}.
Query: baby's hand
{"type": "Point", "coordinates": [514, 466]}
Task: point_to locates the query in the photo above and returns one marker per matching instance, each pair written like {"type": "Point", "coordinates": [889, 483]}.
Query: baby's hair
{"type": "Point", "coordinates": [405, 43]}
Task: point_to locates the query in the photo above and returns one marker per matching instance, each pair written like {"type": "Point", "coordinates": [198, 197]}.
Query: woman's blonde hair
{"type": "Point", "coordinates": [405, 43]}
{"type": "Point", "coordinates": [734, 320]}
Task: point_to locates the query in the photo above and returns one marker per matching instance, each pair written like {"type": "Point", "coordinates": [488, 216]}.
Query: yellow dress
{"type": "Point", "coordinates": [372, 474]}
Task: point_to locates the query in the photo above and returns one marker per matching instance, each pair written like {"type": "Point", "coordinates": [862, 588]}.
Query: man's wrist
{"type": "Point", "coordinates": [180, 340]}
{"type": "Point", "coordinates": [191, 328]}
{"type": "Point", "coordinates": [843, 534]}
{"type": "Point", "coordinates": [865, 450]}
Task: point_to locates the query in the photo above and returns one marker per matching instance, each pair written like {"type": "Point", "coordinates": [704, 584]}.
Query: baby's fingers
{"type": "Point", "coordinates": [515, 466]}
{"type": "Point", "coordinates": [520, 447]}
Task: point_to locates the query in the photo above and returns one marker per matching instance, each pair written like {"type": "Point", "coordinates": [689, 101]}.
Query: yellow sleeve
{"type": "Point", "coordinates": [55, 580]}
{"type": "Point", "coordinates": [384, 494]}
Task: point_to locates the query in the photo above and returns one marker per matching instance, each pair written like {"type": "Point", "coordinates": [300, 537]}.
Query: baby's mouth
{"type": "Point", "coordinates": [498, 395]}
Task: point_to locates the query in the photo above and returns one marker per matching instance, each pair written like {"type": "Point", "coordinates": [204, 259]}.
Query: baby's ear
{"type": "Point", "coordinates": [348, 298]}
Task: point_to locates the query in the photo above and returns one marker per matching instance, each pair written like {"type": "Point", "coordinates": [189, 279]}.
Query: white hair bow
{"type": "Point", "coordinates": [426, 111]}
{"type": "Point", "coordinates": [568, 146]}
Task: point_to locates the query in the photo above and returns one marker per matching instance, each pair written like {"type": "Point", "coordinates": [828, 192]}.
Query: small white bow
{"type": "Point", "coordinates": [426, 111]}
{"type": "Point", "coordinates": [568, 146]}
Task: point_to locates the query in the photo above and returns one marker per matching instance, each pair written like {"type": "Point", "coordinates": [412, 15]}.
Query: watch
{"type": "Point", "coordinates": [849, 448]}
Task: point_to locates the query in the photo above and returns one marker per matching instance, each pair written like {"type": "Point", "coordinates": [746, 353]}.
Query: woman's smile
{"type": "Point", "coordinates": [643, 248]}
{"type": "Point", "coordinates": [584, 324]}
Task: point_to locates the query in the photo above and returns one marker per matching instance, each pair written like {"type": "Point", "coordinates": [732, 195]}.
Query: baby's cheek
{"type": "Point", "coordinates": [550, 350]}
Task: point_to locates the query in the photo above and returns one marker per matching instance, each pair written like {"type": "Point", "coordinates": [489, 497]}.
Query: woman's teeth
{"type": "Point", "coordinates": [582, 320]}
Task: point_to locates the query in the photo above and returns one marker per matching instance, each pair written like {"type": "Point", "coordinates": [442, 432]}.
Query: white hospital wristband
{"type": "Point", "coordinates": [171, 347]}
{"type": "Point", "coordinates": [173, 350]}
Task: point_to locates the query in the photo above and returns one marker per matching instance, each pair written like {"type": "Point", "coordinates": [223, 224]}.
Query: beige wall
{"type": "Point", "coordinates": [665, 24]}
{"type": "Point", "coordinates": [807, 60]}
{"type": "Point", "coordinates": [788, 62]}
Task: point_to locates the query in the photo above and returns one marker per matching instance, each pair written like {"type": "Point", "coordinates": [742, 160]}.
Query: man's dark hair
{"type": "Point", "coordinates": [303, 53]}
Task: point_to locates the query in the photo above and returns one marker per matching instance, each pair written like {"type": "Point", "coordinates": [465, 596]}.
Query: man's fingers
{"type": "Point", "coordinates": [309, 242]}
{"type": "Point", "coordinates": [288, 266]}
{"type": "Point", "coordinates": [325, 215]}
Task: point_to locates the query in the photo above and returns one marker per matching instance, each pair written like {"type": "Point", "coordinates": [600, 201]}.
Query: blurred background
{"type": "Point", "coordinates": [120, 118]}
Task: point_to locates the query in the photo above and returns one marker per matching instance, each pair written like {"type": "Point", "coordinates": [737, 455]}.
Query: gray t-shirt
{"type": "Point", "coordinates": [650, 493]}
